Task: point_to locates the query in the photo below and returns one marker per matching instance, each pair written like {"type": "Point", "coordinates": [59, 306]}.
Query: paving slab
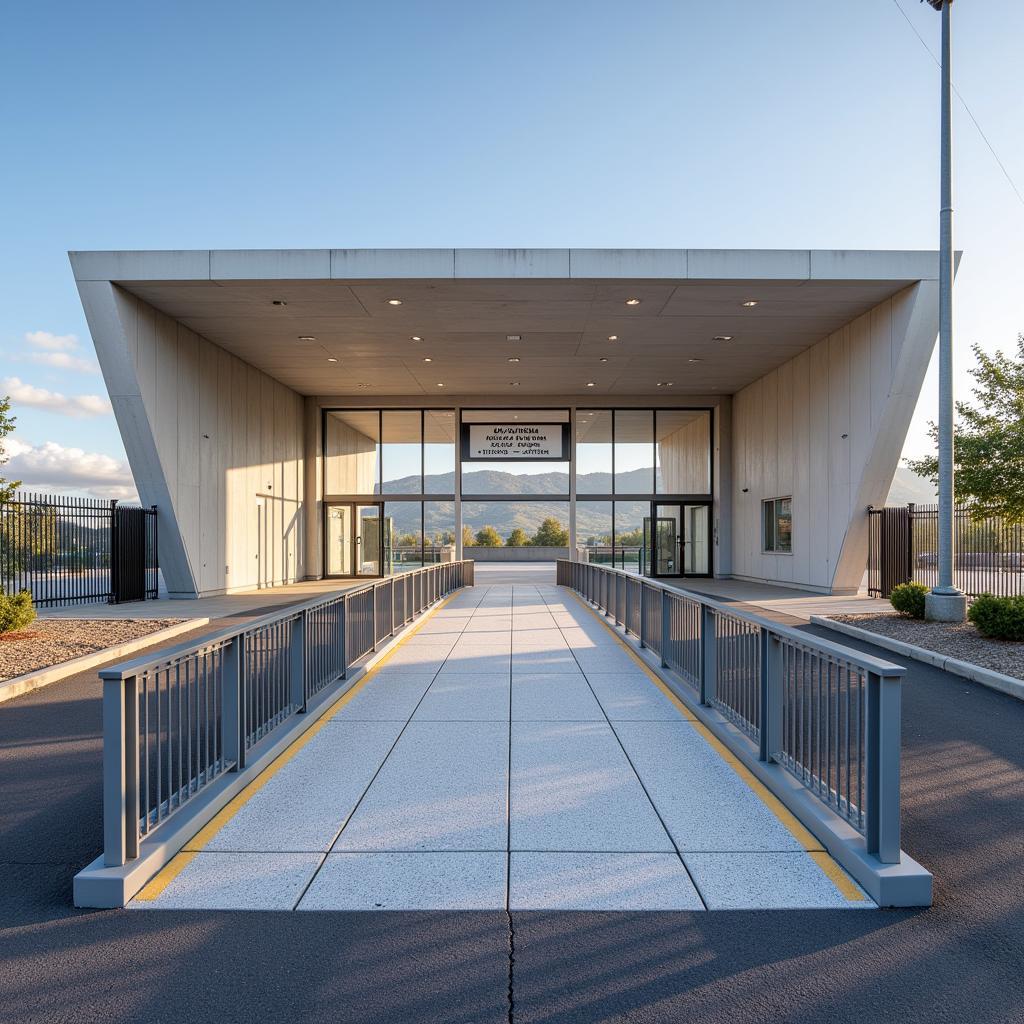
{"type": "Point", "coordinates": [632, 697]}
{"type": "Point", "coordinates": [304, 804]}
{"type": "Point", "coordinates": [765, 881]}
{"type": "Point", "coordinates": [237, 881]}
{"type": "Point", "coordinates": [572, 788]}
{"type": "Point", "coordinates": [705, 805]}
{"type": "Point", "coordinates": [553, 697]}
{"type": "Point", "coordinates": [409, 881]}
{"type": "Point", "coordinates": [463, 696]}
{"type": "Point", "coordinates": [391, 695]}
{"type": "Point", "coordinates": [444, 787]}
{"type": "Point", "coordinates": [600, 881]}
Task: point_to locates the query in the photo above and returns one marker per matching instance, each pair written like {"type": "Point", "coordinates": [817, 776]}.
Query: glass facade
{"type": "Point", "coordinates": [642, 476]}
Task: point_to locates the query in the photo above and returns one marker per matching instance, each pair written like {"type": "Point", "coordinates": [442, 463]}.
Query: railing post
{"type": "Point", "coordinates": [882, 767]}
{"type": "Point", "coordinates": [343, 634]}
{"type": "Point", "coordinates": [643, 617]}
{"type": "Point", "coordinates": [708, 656]}
{"type": "Point", "coordinates": [373, 609]}
{"type": "Point", "coordinates": [120, 771]}
{"type": "Point", "coordinates": [615, 599]}
{"type": "Point", "coordinates": [232, 720]}
{"type": "Point", "coordinates": [771, 696]}
{"type": "Point", "coordinates": [666, 612]}
{"type": "Point", "coordinates": [297, 662]}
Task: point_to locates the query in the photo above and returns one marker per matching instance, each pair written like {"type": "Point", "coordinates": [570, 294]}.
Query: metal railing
{"type": "Point", "coordinates": [828, 715]}
{"type": "Point", "coordinates": [68, 550]}
{"type": "Point", "coordinates": [179, 720]}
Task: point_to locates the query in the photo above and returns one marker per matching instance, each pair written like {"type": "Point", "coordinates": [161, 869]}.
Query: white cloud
{"type": "Point", "coordinates": [53, 401]}
{"type": "Point", "coordinates": [57, 350]}
{"type": "Point", "coordinates": [52, 342]}
{"type": "Point", "coordinates": [65, 361]}
{"type": "Point", "coordinates": [52, 467]}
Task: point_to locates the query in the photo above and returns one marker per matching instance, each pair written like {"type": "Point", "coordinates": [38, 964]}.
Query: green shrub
{"type": "Point", "coordinates": [908, 599]}
{"type": "Point", "coordinates": [16, 611]}
{"type": "Point", "coordinates": [1001, 618]}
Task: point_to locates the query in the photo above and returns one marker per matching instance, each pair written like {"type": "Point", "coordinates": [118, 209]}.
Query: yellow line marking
{"type": "Point", "coordinates": [174, 867]}
{"type": "Point", "coordinates": [835, 874]}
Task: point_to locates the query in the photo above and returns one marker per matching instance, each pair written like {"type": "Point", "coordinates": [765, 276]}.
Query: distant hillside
{"type": "Point", "coordinates": [908, 487]}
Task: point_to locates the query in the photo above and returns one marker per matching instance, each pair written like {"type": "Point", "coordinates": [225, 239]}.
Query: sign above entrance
{"type": "Point", "coordinates": [515, 442]}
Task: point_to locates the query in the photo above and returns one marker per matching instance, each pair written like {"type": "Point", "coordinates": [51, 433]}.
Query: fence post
{"type": "Point", "coordinates": [120, 770]}
{"type": "Point", "coordinates": [708, 656]}
{"type": "Point", "coordinates": [232, 723]}
{"type": "Point", "coordinates": [882, 767]}
{"type": "Point", "coordinates": [910, 540]}
{"type": "Point", "coordinates": [297, 662]}
{"type": "Point", "coordinates": [115, 560]}
{"type": "Point", "coordinates": [771, 696]}
{"type": "Point", "coordinates": [643, 617]}
{"type": "Point", "coordinates": [343, 634]}
{"type": "Point", "coordinates": [666, 612]}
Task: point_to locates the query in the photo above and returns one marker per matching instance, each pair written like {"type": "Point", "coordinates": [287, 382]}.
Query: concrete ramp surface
{"type": "Point", "coordinates": [513, 754]}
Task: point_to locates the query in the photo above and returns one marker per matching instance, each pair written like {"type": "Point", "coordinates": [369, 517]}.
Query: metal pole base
{"type": "Point", "coordinates": [945, 607]}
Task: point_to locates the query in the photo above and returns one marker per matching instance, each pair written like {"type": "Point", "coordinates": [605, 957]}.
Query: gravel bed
{"type": "Point", "coordinates": [954, 639]}
{"type": "Point", "coordinates": [52, 641]}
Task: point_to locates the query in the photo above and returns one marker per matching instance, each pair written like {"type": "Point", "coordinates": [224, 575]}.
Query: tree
{"type": "Point", "coordinates": [989, 439]}
{"type": "Point", "coordinates": [517, 539]}
{"type": "Point", "coordinates": [550, 534]}
{"type": "Point", "coordinates": [488, 537]}
{"type": "Point", "coordinates": [633, 539]}
{"type": "Point", "coordinates": [7, 487]}
{"type": "Point", "coordinates": [468, 540]}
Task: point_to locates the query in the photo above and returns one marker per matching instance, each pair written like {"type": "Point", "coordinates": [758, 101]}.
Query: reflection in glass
{"type": "Point", "coordinates": [594, 525]}
{"type": "Point", "coordinates": [629, 534]}
{"type": "Point", "coordinates": [401, 452]}
{"type": "Point", "coordinates": [368, 540]}
{"type": "Point", "coordinates": [593, 451]}
{"type": "Point", "coordinates": [683, 451]}
{"type": "Point", "coordinates": [697, 540]}
{"type": "Point", "coordinates": [403, 535]}
{"type": "Point", "coordinates": [439, 451]}
{"type": "Point", "coordinates": [352, 452]}
{"type": "Point", "coordinates": [634, 451]}
{"type": "Point", "coordinates": [339, 540]}
{"type": "Point", "coordinates": [438, 531]}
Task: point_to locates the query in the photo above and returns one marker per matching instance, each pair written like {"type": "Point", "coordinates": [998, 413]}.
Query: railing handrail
{"type": "Point", "coordinates": [865, 661]}
{"type": "Point", "coordinates": [136, 666]}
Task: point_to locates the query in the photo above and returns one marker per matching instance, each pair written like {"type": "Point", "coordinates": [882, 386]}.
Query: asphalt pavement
{"type": "Point", "coordinates": [963, 814]}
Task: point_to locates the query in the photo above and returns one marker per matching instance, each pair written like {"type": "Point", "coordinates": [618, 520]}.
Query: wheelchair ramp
{"type": "Point", "coordinates": [511, 754]}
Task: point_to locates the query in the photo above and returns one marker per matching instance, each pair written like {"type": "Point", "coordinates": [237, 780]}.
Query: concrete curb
{"type": "Point", "coordinates": [976, 673]}
{"type": "Point", "coordinates": [54, 673]}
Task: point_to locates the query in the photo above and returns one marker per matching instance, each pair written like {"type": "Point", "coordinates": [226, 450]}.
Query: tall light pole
{"type": "Point", "coordinates": [945, 603]}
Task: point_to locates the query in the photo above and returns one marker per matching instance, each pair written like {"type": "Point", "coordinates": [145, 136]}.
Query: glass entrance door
{"type": "Point", "coordinates": [353, 543]}
{"type": "Point", "coordinates": [677, 540]}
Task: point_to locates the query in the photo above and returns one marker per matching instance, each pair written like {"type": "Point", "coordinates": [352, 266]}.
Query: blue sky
{"type": "Point", "coordinates": [808, 123]}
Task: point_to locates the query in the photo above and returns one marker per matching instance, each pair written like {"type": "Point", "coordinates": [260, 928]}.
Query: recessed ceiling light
{"type": "Point", "coordinates": [722, 337]}
{"type": "Point", "coordinates": [613, 337]}
{"type": "Point", "coordinates": [415, 337]}
{"type": "Point", "coordinates": [427, 359]}
{"type": "Point", "coordinates": [440, 385]}
{"type": "Point", "coordinates": [590, 383]}
{"type": "Point", "coordinates": [306, 337]}
{"type": "Point", "coordinates": [513, 337]}
{"type": "Point", "coordinates": [632, 301]}
{"type": "Point", "coordinates": [695, 360]}
{"type": "Point", "coordinates": [331, 359]}
{"type": "Point", "coordinates": [278, 302]}
{"type": "Point", "coordinates": [394, 302]}
{"type": "Point", "coordinates": [750, 302]}
{"type": "Point", "coordinates": [665, 383]}
{"type": "Point", "coordinates": [604, 359]}
{"type": "Point", "coordinates": [513, 383]}
{"type": "Point", "coordinates": [363, 385]}
{"type": "Point", "coordinates": [513, 359]}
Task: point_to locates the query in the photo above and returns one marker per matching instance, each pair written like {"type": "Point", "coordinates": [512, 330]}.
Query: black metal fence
{"type": "Point", "coordinates": [903, 545]}
{"type": "Point", "coordinates": [66, 550]}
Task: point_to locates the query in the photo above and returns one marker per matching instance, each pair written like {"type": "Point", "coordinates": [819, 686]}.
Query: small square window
{"type": "Point", "coordinates": [777, 516]}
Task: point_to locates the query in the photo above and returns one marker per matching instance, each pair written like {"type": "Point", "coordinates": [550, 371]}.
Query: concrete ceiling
{"type": "Point", "coordinates": [564, 322]}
